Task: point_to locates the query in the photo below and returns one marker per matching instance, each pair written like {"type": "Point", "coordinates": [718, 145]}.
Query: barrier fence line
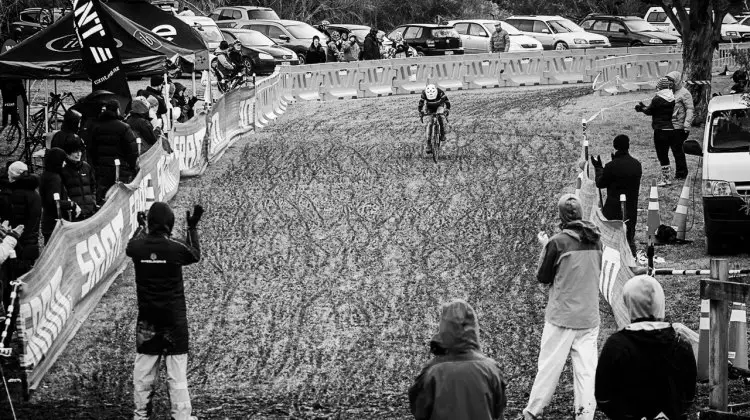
{"type": "Point", "coordinates": [672, 272]}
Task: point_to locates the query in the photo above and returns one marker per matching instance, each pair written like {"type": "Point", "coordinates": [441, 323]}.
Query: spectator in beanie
{"type": "Point", "coordinates": [316, 53]}
{"type": "Point", "coordinates": [162, 327]}
{"type": "Point", "coordinates": [68, 130]}
{"type": "Point", "coordinates": [156, 122]}
{"type": "Point", "coordinates": [620, 176]}
{"type": "Point", "coordinates": [51, 184]}
{"type": "Point", "coordinates": [570, 263]}
{"type": "Point", "coordinates": [180, 100]}
{"type": "Point", "coordinates": [646, 369]}
{"type": "Point", "coordinates": [682, 120]}
{"type": "Point", "coordinates": [111, 139]}
{"type": "Point", "coordinates": [371, 48]}
{"type": "Point", "coordinates": [459, 383]}
{"type": "Point", "coordinates": [79, 181]}
{"type": "Point", "coordinates": [155, 91]}
{"type": "Point", "coordinates": [661, 110]}
{"type": "Point", "coordinates": [26, 210]}
{"type": "Point", "coordinates": [139, 122]}
{"type": "Point", "coordinates": [500, 41]}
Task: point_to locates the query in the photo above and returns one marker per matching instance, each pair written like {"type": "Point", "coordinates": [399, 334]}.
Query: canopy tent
{"type": "Point", "coordinates": [54, 53]}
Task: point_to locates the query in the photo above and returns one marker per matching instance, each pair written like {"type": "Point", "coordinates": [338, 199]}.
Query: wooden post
{"type": "Point", "coordinates": [718, 357]}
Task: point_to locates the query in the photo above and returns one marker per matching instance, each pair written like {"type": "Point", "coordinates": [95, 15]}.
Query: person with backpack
{"type": "Point", "coordinates": [646, 370]}
{"type": "Point", "coordinates": [51, 184]}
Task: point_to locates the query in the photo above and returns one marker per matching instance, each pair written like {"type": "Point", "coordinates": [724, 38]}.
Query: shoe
{"type": "Point", "coordinates": [680, 177]}
{"type": "Point", "coordinates": [664, 179]}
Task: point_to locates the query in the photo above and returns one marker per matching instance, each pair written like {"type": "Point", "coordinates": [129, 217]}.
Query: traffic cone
{"type": "Point", "coordinates": [680, 215]}
{"type": "Point", "coordinates": [703, 341]}
{"type": "Point", "coordinates": [738, 335]}
{"type": "Point", "coordinates": [726, 70]}
{"type": "Point", "coordinates": [653, 210]}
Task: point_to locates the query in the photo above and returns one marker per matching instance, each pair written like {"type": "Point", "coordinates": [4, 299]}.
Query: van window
{"type": "Point", "coordinates": [660, 17]}
{"type": "Point", "coordinates": [730, 131]}
{"type": "Point", "coordinates": [226, 14]}
{"type": "Point", "coordinates": [236, 14]}
{"type": "Point", "coordinates": [586, 24]}
{"type": "Point", "coordinates": [600, 25]}
{"type": "Point", "coordinates": [540, 27]}
{"type": "Point", "coordinates": [522, 25]}
{"type": "Point", "coordinates": [260, 28]}
{"type": "Point", "coordinates": [262, 14]}
{"type": "Point", "coordinates": [413, 32]}
{"type": "Point", "coordinates": [462, 28]}
{"type": "Point", "coordinates": [477, 30]}
{"type": "Point", "coordinates": [615, 26]}
{"type": "Point", "coordinates": [274, 32]}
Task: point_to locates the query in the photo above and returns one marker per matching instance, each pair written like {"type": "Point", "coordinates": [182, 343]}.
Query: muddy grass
{"type": "Point", "coordinates": [329, 242]}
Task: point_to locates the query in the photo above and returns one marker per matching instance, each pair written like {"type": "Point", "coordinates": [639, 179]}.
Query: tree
{"type": "Point", "coordinates": [701, 32]}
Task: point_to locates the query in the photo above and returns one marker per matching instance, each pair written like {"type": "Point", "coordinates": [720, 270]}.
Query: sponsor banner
{"type": "Point", "coordinates": [231, 117]}
{"type": "Point", "coordinates": [189, 143]}
{"type": "Point", "coordinates": [81, 261]}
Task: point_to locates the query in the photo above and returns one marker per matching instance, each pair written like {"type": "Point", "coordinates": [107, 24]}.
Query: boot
{"type": "Point", "coordinates": [665, 179]}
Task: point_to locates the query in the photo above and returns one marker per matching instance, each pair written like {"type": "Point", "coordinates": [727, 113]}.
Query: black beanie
{"type": "Point", "coordinates": [621, 142]}
{"type": "Point", "coordinates": [157, 80]}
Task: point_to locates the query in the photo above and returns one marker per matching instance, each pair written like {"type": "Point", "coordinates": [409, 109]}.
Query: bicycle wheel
{"type": "Point", "coordinates": [435, 139]}
{"type": "Point", "coordinates": [10, 140]}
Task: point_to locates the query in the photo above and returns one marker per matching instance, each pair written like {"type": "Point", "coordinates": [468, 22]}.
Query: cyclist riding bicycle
{"type": "Point", "coordinates": [434, 101]}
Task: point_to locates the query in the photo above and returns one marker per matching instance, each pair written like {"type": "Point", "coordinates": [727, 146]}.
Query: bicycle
{"type": "Point", "coordinates": [236, 81]}
{"type": "Point", "coordinates": [55, 112]}
{"type": "Point", "coordinates": [10, 138]}
{"type": "Point", "coordinates": [434, 133]}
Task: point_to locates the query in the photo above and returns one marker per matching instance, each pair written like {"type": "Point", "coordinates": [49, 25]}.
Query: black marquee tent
{"type": "Point", "coordinates": [54, 53]}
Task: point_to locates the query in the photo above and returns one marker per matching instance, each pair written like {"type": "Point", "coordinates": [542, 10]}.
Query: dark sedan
{"type": "Point", "coordinates": [261, 54]}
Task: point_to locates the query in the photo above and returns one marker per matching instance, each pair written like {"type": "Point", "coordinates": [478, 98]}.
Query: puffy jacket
{"type": "Point", "coordinates": [460, 383]}
{"type": "Point", "coordinates": [79, 183]}
{"type": "Point", "coordinates": [112, 139]}
{"type": "Point", "coordinates": [371, 47]}
{"type": "Point", "coordinates": [26, 210]}
{"type": "Point", "coordinates": [620, 176]}
{"type": "Point", "coordinates": [661, 110]}
{"type": "Point", "coordinates": [643, 370]}
{"type": "Point", "coordinates": [315, 55]}
{"type": "Point", "coordinates": [500, 41]}
{"type": "Point", "coordinates": [142, 128]}
{"type": "Point", "coordinates": [158, 259]}
{"type": "Point", "coordinates": [684, 109]}
{"type": "Point", "coordinates": [51, 184]}
{"type": "Point", "coordinates": [333, 51]}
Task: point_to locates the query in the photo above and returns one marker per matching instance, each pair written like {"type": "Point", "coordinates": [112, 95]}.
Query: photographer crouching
{"type": "Point", "coordinates": [162, 328]}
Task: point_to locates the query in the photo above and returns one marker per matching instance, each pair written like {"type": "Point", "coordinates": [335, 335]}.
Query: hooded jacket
{"type": "Point", "coordinates": [643, 370]}
{"type": "Point", "coordinates": [66, 139]}
{"type": "Point", "coordinates": [112, 139]}
{"type": "Point", "coordinates": [315, 55]}
{"type": "Point", "coordinates": [571, 264]}
{"type": "Point", "coordinates": [51, 184]}
{"type": "Point", "coordinates": [79, 183]}
{"type": "Point", "coordinates": [684, 110]}
{"type": "Point", "coordinates": [371, 48]}
{"type": "Point", "coordinates": [143, 129]}
{"type": "Point", "coordinates": [460, 383]}
{"type": "Point", "coordinates": [158, 259]}
{"type": "Point", "coordinates": [661, 110]}
{"type": "Point", "coordinates": [620, 176]}
{"type": "Point", "coordinates": [25, 208]}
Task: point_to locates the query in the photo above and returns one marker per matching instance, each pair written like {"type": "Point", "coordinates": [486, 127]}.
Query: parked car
{"type": "Point", "coordinates": [628, 31]}
{"type": "Point", "coordinates": [261, 55]}
{"type": "Point", "coordinates": [557, 33]}
{"type": "Point", "coordinates": [292, 34]}
{"type": "Point", "coordinates": [476, 35]}
{"type": "Point", "coordinates": [743, 20]}
{"type": "Point", "coordinates": [731, 30]}
{"type": "Point", "coordinates": [207, 28]}
{"type": "Point", "coordinates": [34, 19]}
{"type": "Point", "coordinates": [231, 17]}
{"type": "Point", "coordinates": [430, 39]}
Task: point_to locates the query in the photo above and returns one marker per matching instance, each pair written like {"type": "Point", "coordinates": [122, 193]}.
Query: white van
{"type": "Point", "coordinates": [726, 173]}
{"type": "Point", "coordinates": [207, 28]}
{"type": "Point", "coordinates": [731, 30]}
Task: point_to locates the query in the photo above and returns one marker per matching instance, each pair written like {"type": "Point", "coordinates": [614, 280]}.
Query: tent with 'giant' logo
{"type": "Point", "coordinates": [54, 53]}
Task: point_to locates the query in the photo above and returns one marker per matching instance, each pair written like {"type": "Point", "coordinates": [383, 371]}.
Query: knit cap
{"type": "Point", "coordinates": [153, 102]}
{"type": "Point", "coordinates": [140, 105]}
{"type": "Point", "coordinates": [15, 170]}
{"type": "Point", "coordinates": [664, 83]}
{"type": "Point", "coordinates": [570, 208]}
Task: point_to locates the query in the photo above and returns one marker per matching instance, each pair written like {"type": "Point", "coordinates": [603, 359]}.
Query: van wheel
{"type": "Point", "coordinates": [561, 46]}
{"type": "Point", "coordinates": [714, 245]}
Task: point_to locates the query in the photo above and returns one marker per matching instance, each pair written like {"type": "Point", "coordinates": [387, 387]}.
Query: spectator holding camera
{"type": "Point", "coordinates": [661, 110]}
{"type": "Point", "coordinates": [162, 327]}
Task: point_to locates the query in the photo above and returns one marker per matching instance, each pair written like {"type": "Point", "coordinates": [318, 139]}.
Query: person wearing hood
{"type": "Point", "coordinates": [78, 180]}
{"type": "Point", "coordinates": [138, 120]}
{"type": "Point", "coordinates": [620, 176]}
{"type": "Point", "coordinates": [51, 184]}
{"type": "Point", "coordinates": [661, 110]}
{"type": "Point", "coordinates": [647, 368]}
{"type": "Point", "coordinates": [162, 327]}
{"type": "Point", "coordinates": [181, 101]}
{"type": "Point", "coordinates": [570, 264]}
{"type": "Point", "coordinates": [459, 383]}
{"type": "Point", "coordinates": [155, 90]}
{"type": "Point", "coordinates": [371, 48]}
{"type": "Point", "coordinates": [316, 53]}
{"type": "Point", "coordinates": [68, 133]}
{"type": "Point", "coordinates": [682, 121]}
{"type": "Point", "coordinates": [25, 209]}
{"type": "Point", "coordinates": [111, 138]}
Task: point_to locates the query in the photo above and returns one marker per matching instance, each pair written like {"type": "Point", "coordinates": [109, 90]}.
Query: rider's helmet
{"type": "Point", "coordinates": [325, 24]}
{"type": "Point", "coordinates": [431, 92]}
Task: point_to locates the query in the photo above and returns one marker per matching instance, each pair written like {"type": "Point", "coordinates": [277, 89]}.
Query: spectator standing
{"type": "Point", "coordinates": [459, 383]}
{"type": "Point", "coordinates": [620, 176]}
{"type": "Point", "coordinates": [157, 82]}
{"type": "Point", "coordinates": [138, 120]}
{"type": "Point", "coordinates": [26, 210]}
{"type": "Point", "coordinates": [78, 180]}
{"type": "Point", "coordinates": [739, 78]}
{"type": "Point", "coordinates": [316, 53]}
{"type": "Point", "coordinates": [12, 89]}
{"type": "Point", "coordinates": [335, 46]}
{"type": "Point", "coordinates": [400, 47]}
{"type": "Point", "coordinates": [68, 133]}
{"type": "Point", "coordinates": [324, 28]}
{"type": "Point", "coordinates": [682, 120]}
{"type": "Point", "coordinates": [661, 110]}
{"type": "Point", "coordinates": [162, 327]}
{"type": "Point", "coordinates": [235, 56]}
{"type": "Point", "coordinates": [351, 49]}
{"type": "Point", "coordinates": [500, 41]}
{"type": "Point", "coordinates": [51, 184]}
{"type": "Point", "coordinates": [180, 100]}
{"type": "Point", "coordinates": [371, 48]}
{"type": "Point", "coordinates": [647, 368]}
{"type": "Point", "coordinates": [111, 139]}
{"type": "Point", "coordinates": [570, 263]}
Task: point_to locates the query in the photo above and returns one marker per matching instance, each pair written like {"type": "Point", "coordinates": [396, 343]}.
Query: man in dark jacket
{"type": "Point", "coordinates": [51, 184]}
{"type": "Point", "coordinates": [138, 120]}
{"type": "Point", "coordinates": [26, 210]}
{"type": "Point", "coordinates": [155, 90]}
{"type": "Point", "coordinates": [620, 176]}
{"type": "Point", "coordinates": [661, 109]}
{"type": "Point", "coordinates": [646, 369]}
{"type": "Point", "coordinates": [372, 46]}
{"type": "Point", "coordinates": [68, 131]}
{"type": "Point", "coordinates": [460, 383]}
{"type": "Point", "coordinates": [162, 328]}
{"type": "Point", "coordinates": [111, 139]}
{"type": "Point", "coordinates": [79, 181]}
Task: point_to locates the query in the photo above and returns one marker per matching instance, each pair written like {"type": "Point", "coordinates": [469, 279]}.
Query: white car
{"type": "Point", "coordinates": [476, 35]}
{"type": "Point", "coordinates": [557, 33]}
{"type": "Point", "coordinates": [731, 29]}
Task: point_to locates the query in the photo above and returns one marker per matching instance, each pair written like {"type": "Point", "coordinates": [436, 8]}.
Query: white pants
{"type": "Point", "coordinates": [557, 342]}
{"type": "Point", "coordinates": [144, 375]}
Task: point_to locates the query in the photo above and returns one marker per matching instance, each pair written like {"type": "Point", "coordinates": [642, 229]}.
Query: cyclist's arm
{"type": "Point", "coordinates": [421, 104]}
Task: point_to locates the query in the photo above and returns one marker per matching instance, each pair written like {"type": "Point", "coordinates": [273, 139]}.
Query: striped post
{"type": "Point", "coordinates": [703, 342]}
{"type": "Point", "coordinates": [653, 223]}
{"type": "Point", "coordinates": [680, 215]}
{"type": "Point", "coordinates": [738, 335]}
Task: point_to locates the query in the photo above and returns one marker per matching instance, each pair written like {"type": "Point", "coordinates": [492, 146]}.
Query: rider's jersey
{"type": "Point", "coordinates": [433, 105]}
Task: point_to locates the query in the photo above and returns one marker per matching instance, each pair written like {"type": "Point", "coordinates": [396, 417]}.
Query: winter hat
{"type": "Point", "coordinates": [223, 45]}
{"type": "Point", "coordinates": [621, 142]}
{"type": "Point", "coordinates": [112, 105]}
{"type": "Point", "coordinates": [459, 329]}
{"type": "Point", "coordinates": [160, 218]}
{"type": "Point", "coordinates": [570, 208]}
{"type": "Point", "coordinates": [140, 105]}
{"type": "Point", "coordinates": [676, 77]}
{"type": "Point", "coordinates": [178, 87]}
{"type": "Point", "coordinates": [664, 83]}
{"type": "Point", "coordinates": [16, 169]}
{"type": "Point", "coordinates": [644, 298]}
{"type": "Point", "coordinates": [157, 80]}
{"type": "Point", "coordinates": [152, 102]}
